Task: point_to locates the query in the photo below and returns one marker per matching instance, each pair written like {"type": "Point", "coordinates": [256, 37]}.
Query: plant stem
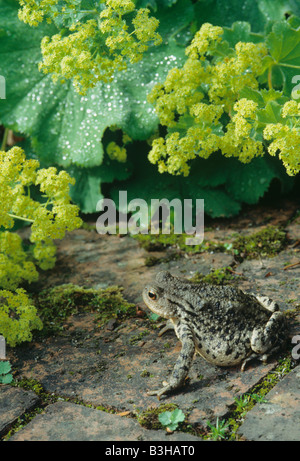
{"type": "Point", "coordinates": [20, 217]}
{"type": "Point", "coordinates": [270, 78]}
{"type": "Point", "coordinates": [4, 140]}
{"type": "Point", "coordinates": [89, 11]}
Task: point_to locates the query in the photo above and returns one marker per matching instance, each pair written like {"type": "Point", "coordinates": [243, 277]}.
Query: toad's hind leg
{"type": "Point", "coordinates": [269, 338]}
{"type": "Point", "coordinates": [265, 340]}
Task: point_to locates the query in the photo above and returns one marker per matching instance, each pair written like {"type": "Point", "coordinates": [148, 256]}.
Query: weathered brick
{"type": "Point", "coordinates": [14, 402]}
{"type": "Point", "coordinates": [277, 420]}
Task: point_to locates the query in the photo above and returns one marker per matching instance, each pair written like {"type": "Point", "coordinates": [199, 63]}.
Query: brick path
{"type": "Point", "coordinates": [86, 367]}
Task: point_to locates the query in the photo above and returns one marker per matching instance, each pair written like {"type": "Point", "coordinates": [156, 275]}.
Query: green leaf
{"type": "Point", "coordinates": [206, 181]}
{"type": "Point", "coordinates": [165, 418]}
{"type": "Point", "coordinates": [171, 419]}
{"type": "Point", "coordinates": [87, 190]}
{"type": "Point", "coordinates": [240, 32]}
{"type": "Point", "coordinates": [213, 179]}
{"type": "Point", "coordinates": [224, 13]}
{"type": "Point", "coordinates": [284, 47]}
{"type": "Point", "coordinates": [274, 10]}
{"type": "Point", "coordinates": [5, 367]}
{"type": "Point", "coordinates": [7, 379]}
{"type": "Point", "coordinates": [258, 13]}
{"type": "Point", "coordinates": [255, 179]}
{"type": "Point", "coordinates": [177, 415]}
{"type": "Point", "coordinates": [270, 114]}
{"type": "Point", "coordinates": [155, 4]}
{"type": "Point", "coordinates": [172, 21]}
{"type": "Point", "coordinates": [67, 128]}
{"type": "Point", "coordinates": [253, 95]}
{"type": "Point", "coordinates": [263, 96]}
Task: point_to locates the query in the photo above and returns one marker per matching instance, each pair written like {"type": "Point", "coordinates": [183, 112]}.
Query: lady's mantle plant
{"type": "Point", "coordinates": [229, 89]}
{"type": "Point", "coordinates": [93, 43]}
{"type": "Point", "coordinates": [223, 98]}
{"type": "Point", "coordinates": [49, 220]}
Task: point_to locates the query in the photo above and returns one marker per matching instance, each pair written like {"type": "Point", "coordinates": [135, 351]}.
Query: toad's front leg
{"type": "Point", "coordinates": [182, 364]}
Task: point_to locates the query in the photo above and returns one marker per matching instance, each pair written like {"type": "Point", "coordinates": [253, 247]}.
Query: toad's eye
{"type": "Point", "coordinates": [152, 295]}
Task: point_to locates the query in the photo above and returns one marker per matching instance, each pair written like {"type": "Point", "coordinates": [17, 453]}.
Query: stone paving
{"type": "Point", "coordinates": [99, 377]}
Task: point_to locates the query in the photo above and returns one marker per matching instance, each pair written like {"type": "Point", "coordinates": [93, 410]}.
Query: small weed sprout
{"type": "Point", "coordinates": [171, 419]}
{"type": "Point", "coordinates": [219, 430]}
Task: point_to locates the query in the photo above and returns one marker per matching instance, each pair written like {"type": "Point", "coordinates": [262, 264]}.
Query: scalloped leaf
{"type": "Point", "coordinates": [67, 128]}
{"type": "Point", "coordinates": [284, 47]}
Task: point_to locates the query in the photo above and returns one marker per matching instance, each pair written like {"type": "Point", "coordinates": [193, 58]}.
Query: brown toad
{"type": "Point", "coordinates": [223, 324]}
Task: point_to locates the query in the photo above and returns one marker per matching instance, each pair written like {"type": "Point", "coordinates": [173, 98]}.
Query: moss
{"type": "Point", "coordinates": [46, 398]}
{"type": "Point", "coordinates": [160, 242]}
{"type": "Point", "coordinates": [56, 304]}
{"type": "Point", "coordinates": [291, 313]}
{"type": "Point", "coordinates": [87, 226]}
{"type": "Point", "coordinates": [222, 276]}
{"type": "Point", "coordinates": [21, 422]}
{"type": "Point", "coordinates": [149, 418]}
{"type": "Point", "coordinates": [257, 395]}
{"type": "Point", "coordinates": [152, 260]}
{"type": "Point", "coordinates": [266, 242]}
{"type": "Point", "coordinates": [145, 374]}
{"type": "Point", "coordinates": [30, 384]}
{"type": "Point", "coordinates": [136, 338]}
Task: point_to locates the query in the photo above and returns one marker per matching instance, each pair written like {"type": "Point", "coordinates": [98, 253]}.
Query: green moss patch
{"type": "Point", "coordinates": [56, 304]}
{"type": "Point", "coordinates": [266, 242]}
{"type": "Point", "coordinates": [159, 242]}
{"type": "Point", "coordinates": [149, 417]}
{"type": "Point", "coordinates": [222, 276]}
{"type": "Point", "coordinates": [258, 394]}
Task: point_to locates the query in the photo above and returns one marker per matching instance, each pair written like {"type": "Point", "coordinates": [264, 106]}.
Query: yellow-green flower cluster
{"type": "Point", "coordinates": [119, 40]}
{"type": "Point", "coordinates": [62, 216]}
{"type": "Point", "coordinates": [291, 109]}
{"type": "Point", "coordinates": [33, 13]}
{"type": "Point", "coordinates": [200, 104]}
{"type": "Point", "coordinates": [116, 152]}
{"type": "Point", "coordinates": [91, 51]}
{"type": "Point", "coordinates": [18, 316]}
{"type": "Point", "coordinates": [204, 41]}
{"type": "Point", "coordinates": [49, 220]}
{"type": "Point", "coordinates": [14, 264]}
{"type": "Point", "coordinates": [237, 141]}
{"type": "Point", "coordinates": [230, 76]}
{"type": "Point", "coordinates": [45, 253]}
{"type": "Point", "coordinates": [285, 138]}
{"type": "Point", "coordinates": [173, 154]}
{"type": "Point", "coordinates": [70, 57]}
{"type": "Point", "coordinates": [16, 174]}
{"type": "Point", "coordinates": [179, 92]}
